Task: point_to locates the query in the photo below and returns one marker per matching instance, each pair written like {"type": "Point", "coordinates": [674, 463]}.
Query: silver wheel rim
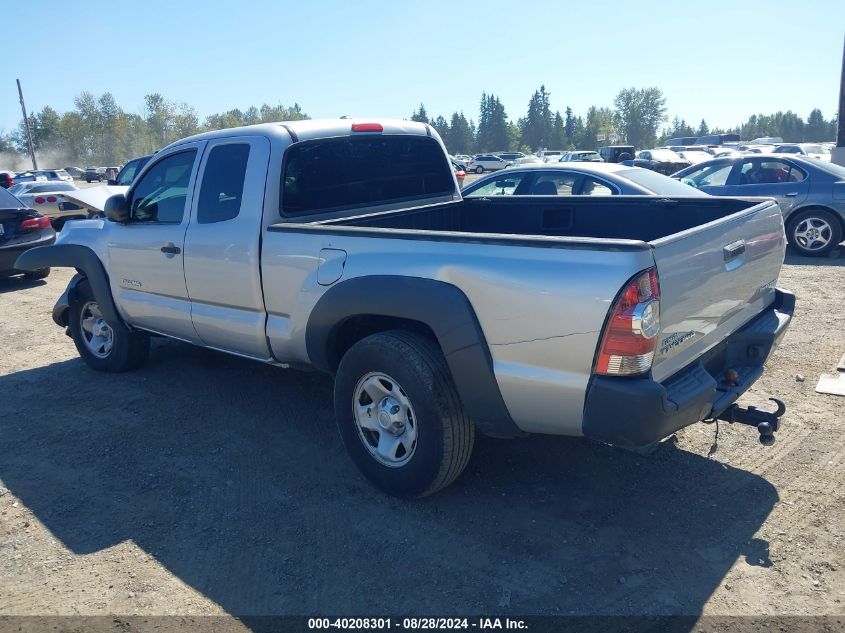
{"type": "Point", "coordinates": [385, 419]}
{"type": "Point", "coordinates": [97, 334]}
{"type": "Point", "coordinates": [812, 234]}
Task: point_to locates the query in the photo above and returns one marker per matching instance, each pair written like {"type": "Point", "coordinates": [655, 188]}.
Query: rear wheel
{"type": "Point", "coordinates": [400, 416]}
{"type": "Point", "coordinates": [103, 345]}
{"type": "Point", "coordinates": [479, 170]}
{"type": "Point", "coordinates": [814, 232]}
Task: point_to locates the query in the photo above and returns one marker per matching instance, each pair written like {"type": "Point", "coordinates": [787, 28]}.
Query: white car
{"type": "Point", "coordinates": [487, 162]}
{"type": "Point", "coordinates": [813, 150]}
{"type": "Point", "coordinates": [46, 198]}
{"type": "Point", "coordinates": [581, 156]}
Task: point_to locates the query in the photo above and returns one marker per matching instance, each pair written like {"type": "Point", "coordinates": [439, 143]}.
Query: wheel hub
{"type": "Point", "coordinates": [389, 416]}
{"type": "Point", "coordinates": [385, 419]}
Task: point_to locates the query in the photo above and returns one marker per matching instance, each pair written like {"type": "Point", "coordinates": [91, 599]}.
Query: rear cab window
{"type": "Point", "coordinates": [223, 183]}
{"type": "Point", "coordinates": [341, 173]}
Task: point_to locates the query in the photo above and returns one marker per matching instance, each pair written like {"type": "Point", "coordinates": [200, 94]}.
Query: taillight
{"type": "Point", "coordinates": [460, 174]}
{"type": "Point", "coordinates": [51, 198]}
{"type": "Point", "coordinates": [40, 200]}
{"type": "Point", "coordinates": [367, 127]}
{"type": "Point", "coordinates": [630, 336]}
{"type": "Point", "coordinates": [40, 222]}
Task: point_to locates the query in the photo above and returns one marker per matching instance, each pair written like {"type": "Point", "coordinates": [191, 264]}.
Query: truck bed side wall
{"type": "Point", "coordinates": [540, 309]}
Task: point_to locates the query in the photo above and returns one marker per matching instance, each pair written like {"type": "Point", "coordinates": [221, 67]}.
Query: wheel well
{"type": "Point", "coordinates": [817, 207]}
{"type": "Point", "coordinates": [361, 326]}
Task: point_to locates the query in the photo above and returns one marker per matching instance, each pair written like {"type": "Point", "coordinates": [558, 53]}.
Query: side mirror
{"type": "Point", "coordinates": [117, 209]}
{"type": "Point", "coordinates": [111, 182]}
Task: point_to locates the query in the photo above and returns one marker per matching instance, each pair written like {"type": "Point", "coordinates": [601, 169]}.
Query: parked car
{"type": "Point", "coordinates": [21, 229]}
{"type": "Point", "coordinates": [527, 160]}
{"type": "Point", "coordinates": [28, 176]}
{"type": "Point", "coordinates": [810, 192]}
{"type": "Point", "coordinates": [7, 179]}
{"type": "Point", "coordinates": [53, 175]}
{"type": "Point", "coordinates": [577, 179]}
{"type": "Point", "coordinates": [549, 155]}
{"type": "Point", "coordinates": [695, 156]}
{"type": "Point", "coordinates": [580, 156]}
{"type": "Point", "coordinates": [487, 162]}
{"type": "Point", "coordinates": [616, 153]}
{"type": "Point", "coordinates": [131, 169]}
{"type": "Point", "coordinates": [813, 150]}
{"type": "Point", "coordinates": [614, 319]}
{"type": "Point", "coordinates": [46, 198]}
{"type": "Point", "coordinates": [510, 156]}
{"type": "Point", "coordinates": [460, 173]}
{"type": "Point", "coordinates": [663, 161]}
{"type": "Point", "coordinates": [95, 173]}
{"type": "Point", "coordinates": [75, 172]}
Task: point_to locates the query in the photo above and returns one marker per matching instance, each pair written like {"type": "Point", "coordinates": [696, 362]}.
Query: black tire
{"type": "Point", "coordinates": [805, 219]}
{"type": "Point", "coordinates": [444, 433]}
{"type": "Point", "coordinates": [88, 181]}
{"type": "Point", "coordinates": [128, 349]}
{"type": "Point", "coordinates": [41, 273]}
{"type": "Point", "coordinates": [479, 170]}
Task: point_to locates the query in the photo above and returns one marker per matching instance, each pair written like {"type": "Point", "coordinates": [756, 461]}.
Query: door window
{"type": "Point", "coordinates": [223, 183]}
{"type": "Point", "coordinates": [160, 195]}
{"type": "Point", "coordinates": [593, 187]}
{"type": "Point", "coordinates": [711, 176]}
{"type": "Point", "coordinates": [768, 172]}
{"type": "Point", "coordinates": [553, 185]}
{"type": "Point", "coordinates": [504, 185]}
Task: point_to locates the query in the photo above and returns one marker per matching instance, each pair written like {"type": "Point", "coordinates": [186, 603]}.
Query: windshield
{"type": "Point", "coordinates": [658, 183]}
{"type": "Point", "coordinates": [8, 201]}
{"type": "Point", "coordinates": [816, 149]}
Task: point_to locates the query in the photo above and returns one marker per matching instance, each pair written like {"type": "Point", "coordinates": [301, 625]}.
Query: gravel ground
{"type": "Point", "coordinates": [207, 484]}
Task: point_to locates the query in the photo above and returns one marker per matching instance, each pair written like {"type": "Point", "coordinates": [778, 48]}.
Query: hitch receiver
{"type": "Point", "coordinates": [765, 421]}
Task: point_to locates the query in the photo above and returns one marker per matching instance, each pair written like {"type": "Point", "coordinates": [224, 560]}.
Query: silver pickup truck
{"type": "Point", "coordinates": [345, 245]}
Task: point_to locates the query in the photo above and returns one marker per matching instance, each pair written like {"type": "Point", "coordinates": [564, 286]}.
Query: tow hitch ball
{"type": "Point", "coordinates": [765, 421]}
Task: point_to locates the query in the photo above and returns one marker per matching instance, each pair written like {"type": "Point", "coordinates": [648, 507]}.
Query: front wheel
{"type": "Point", "coordinates": [41, 273]}
{"type": "Point", "coordinates": [103, 345]}
{"type": "Point", "coordinates": [814, 232]}
{"type": "Point", "coordinates": [399, 414]}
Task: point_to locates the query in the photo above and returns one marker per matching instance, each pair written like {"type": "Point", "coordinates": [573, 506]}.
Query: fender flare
{"type": "Point", "coordinates": [442, 307]}
{"type": "Point", "coordinates": [86, 262]}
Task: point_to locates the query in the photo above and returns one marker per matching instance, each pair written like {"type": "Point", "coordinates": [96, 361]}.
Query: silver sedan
{"type": "Point", "coordinates": [811, 193]}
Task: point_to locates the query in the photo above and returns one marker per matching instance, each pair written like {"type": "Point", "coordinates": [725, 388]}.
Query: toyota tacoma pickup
{"type": "Point", "coordinates": [345, 245]}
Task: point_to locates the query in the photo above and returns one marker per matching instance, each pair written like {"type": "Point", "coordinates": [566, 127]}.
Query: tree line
{"type": "Point", "coordinates": [99, 132]}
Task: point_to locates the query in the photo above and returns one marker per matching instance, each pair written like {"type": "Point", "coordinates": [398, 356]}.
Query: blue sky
{"type": "Point", "coordinates": [717, 59]}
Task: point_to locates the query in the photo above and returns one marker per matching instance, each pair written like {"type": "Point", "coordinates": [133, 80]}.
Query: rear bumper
{"type": "Point", "coordinates": [636, 412]}
{"type": "Point", "coordinates": [10, 253]}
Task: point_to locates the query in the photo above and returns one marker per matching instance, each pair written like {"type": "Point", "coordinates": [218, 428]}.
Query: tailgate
{"type": "Point", "coordinates": [714, 278]}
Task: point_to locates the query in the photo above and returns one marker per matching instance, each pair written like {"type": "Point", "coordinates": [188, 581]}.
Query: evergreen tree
{"type": "Point", "coordinates": [420, 116]}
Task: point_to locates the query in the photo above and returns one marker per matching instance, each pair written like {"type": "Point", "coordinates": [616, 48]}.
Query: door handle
{"type": "Point", "coordinates": [791, 194]}
{"type": "Point", "coordinates": [734, 249]}
{"type": "Point", "coordinates": [171, 249]}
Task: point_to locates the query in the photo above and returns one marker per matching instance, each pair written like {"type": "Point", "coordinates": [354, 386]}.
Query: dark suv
{"type": "Point", "coordinates": [95, 173]}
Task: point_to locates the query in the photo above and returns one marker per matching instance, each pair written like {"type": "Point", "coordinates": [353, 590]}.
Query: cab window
{"type": "Point", "coordinates": [161, 194]}
{"type": "Point", "coordinates": [223, 183]}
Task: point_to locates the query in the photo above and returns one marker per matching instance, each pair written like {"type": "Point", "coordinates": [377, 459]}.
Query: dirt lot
{"type": "Point", "coordinates": [207, 484]}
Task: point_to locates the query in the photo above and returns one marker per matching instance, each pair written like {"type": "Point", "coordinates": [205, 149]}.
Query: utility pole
{"type": "Point", "coordinates": [838, 155]}
{"type": "Point", "coordinates": [26, 126]}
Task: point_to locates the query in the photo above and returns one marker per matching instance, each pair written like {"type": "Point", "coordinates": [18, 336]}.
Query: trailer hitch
{"type": "Point", "coordinates": [765, 421]}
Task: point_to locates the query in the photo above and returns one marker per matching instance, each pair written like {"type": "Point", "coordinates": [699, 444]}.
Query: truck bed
{"type": "Point", "coordinates": [617, 218]}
